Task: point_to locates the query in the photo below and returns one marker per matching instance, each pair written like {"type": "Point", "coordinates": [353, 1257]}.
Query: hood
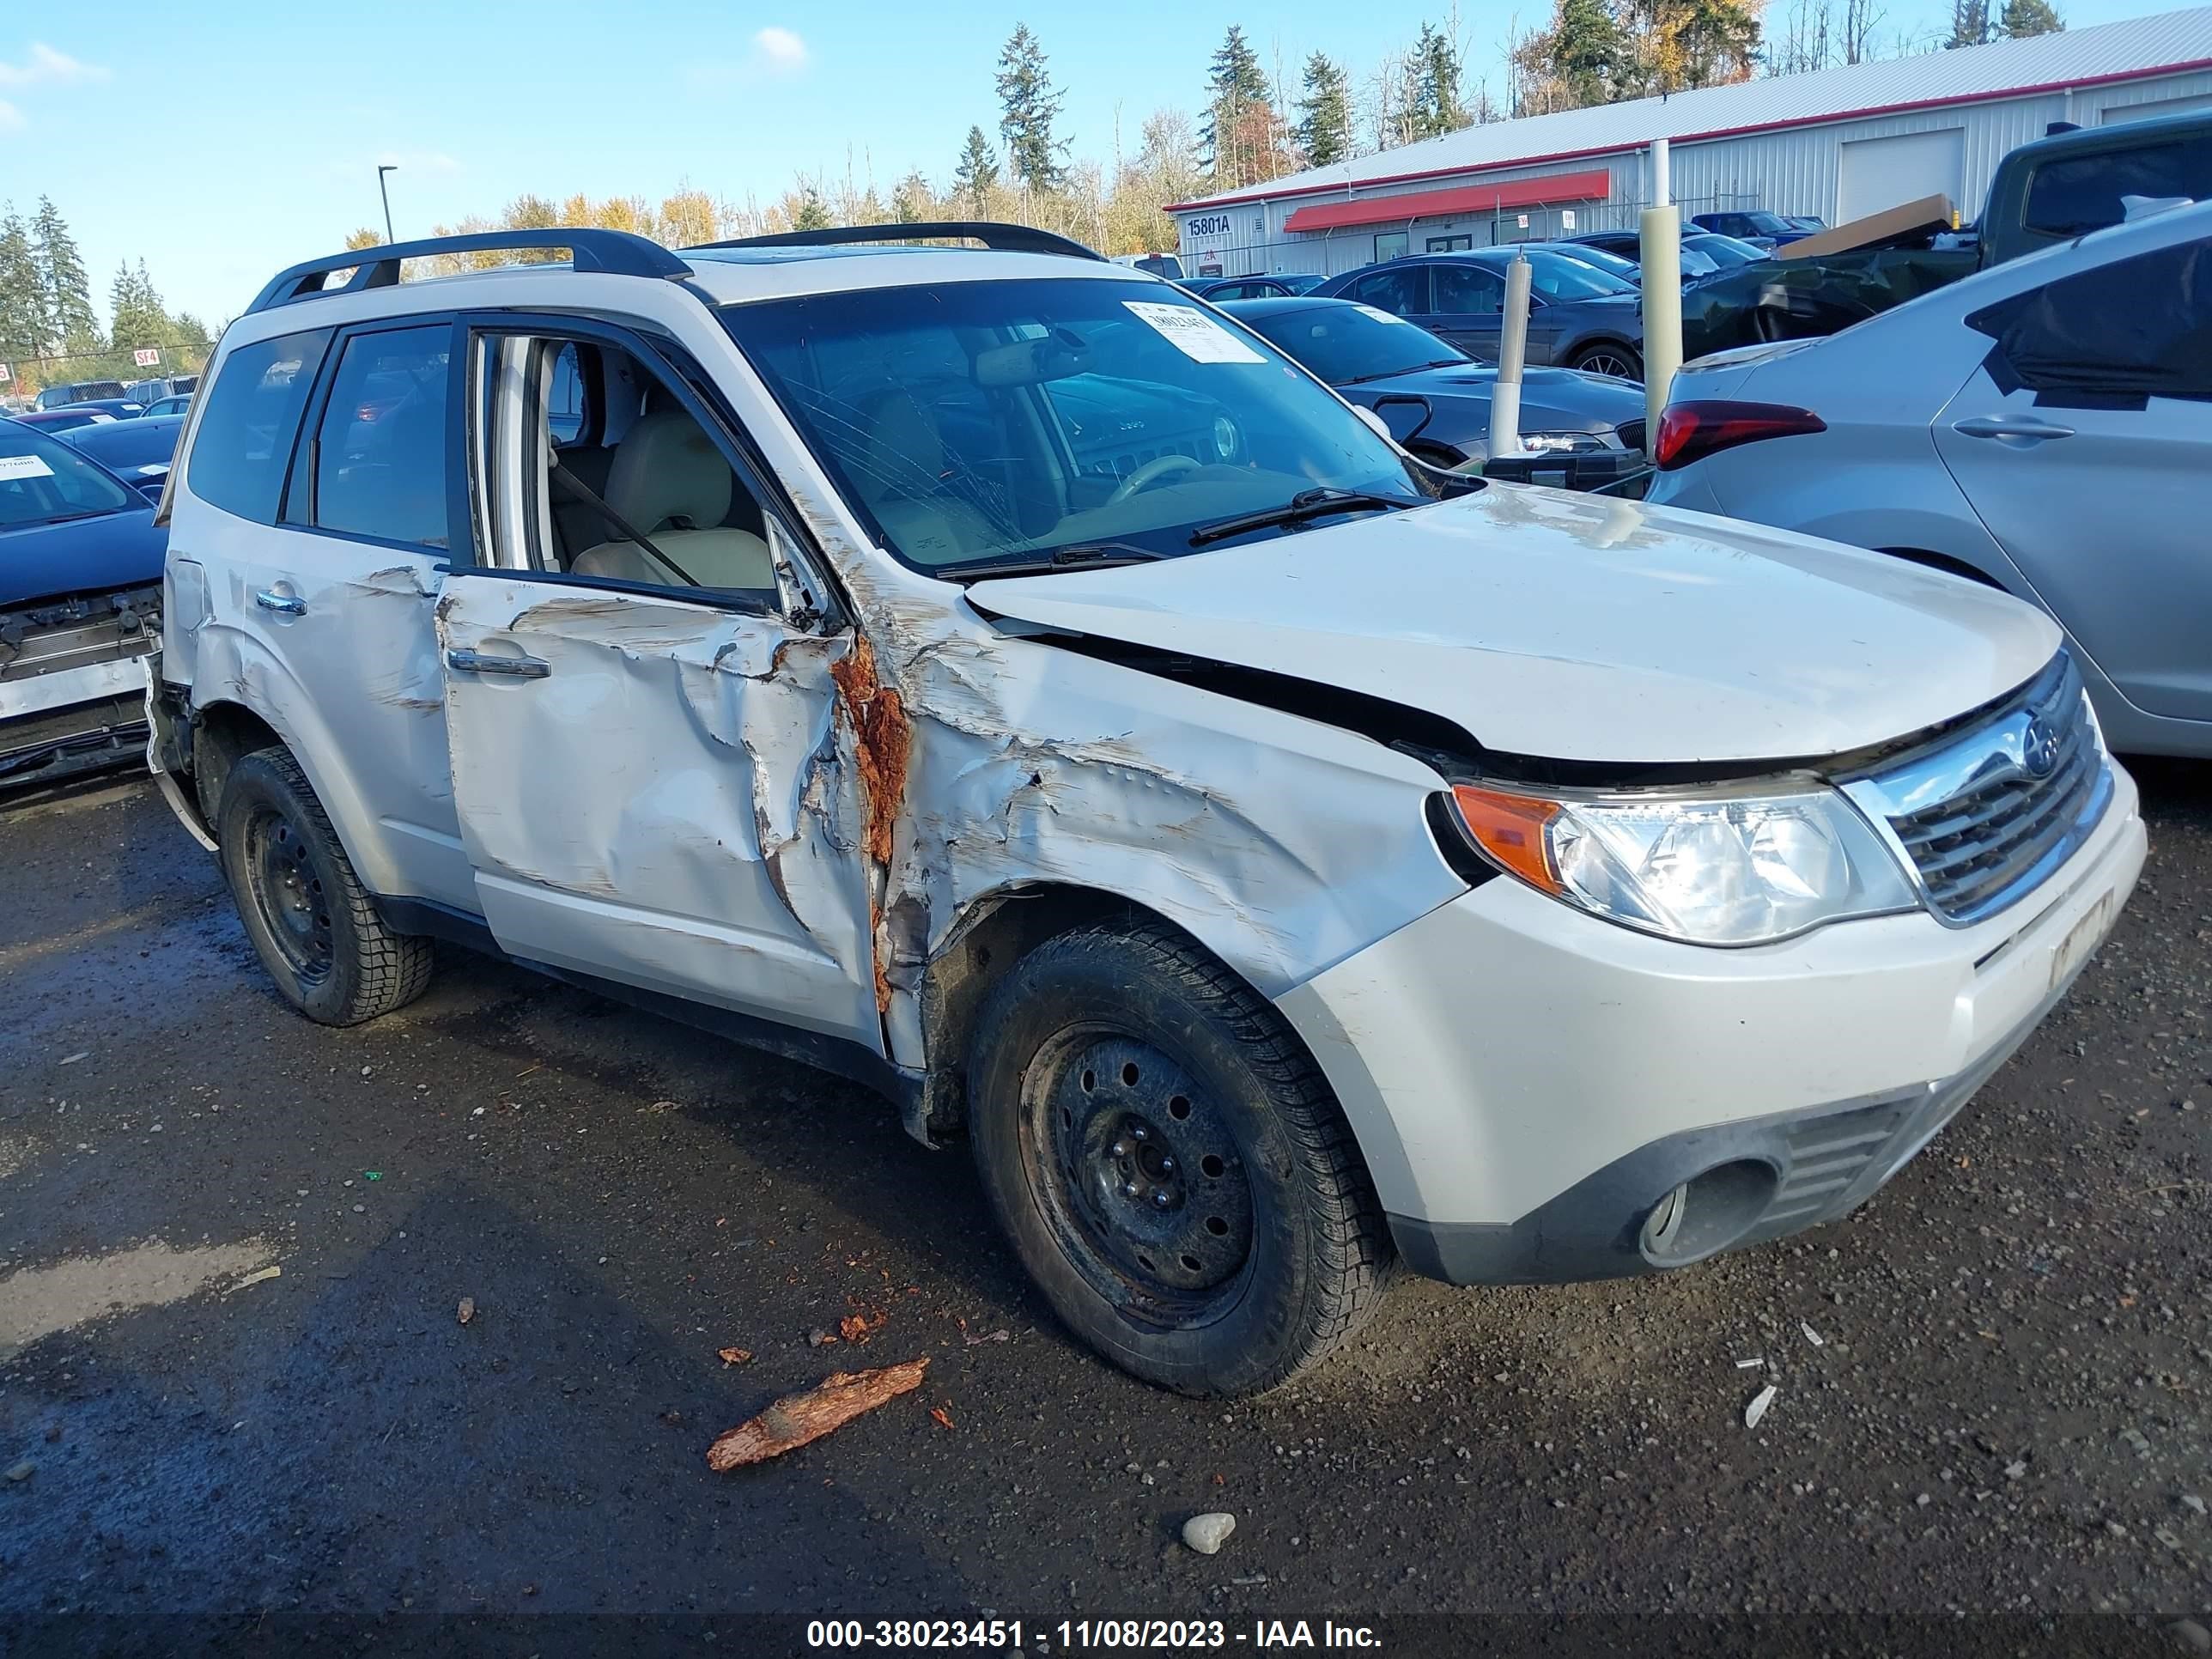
{"type": "Point", "coordinates": [1552, 399]}
{"type": "Point", "coordinates": [1578, 627]}
{"type": "Point", "coordinates": [80, 556]}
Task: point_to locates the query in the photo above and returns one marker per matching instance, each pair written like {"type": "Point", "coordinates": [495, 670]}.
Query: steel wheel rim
{"type": "Point", "coordinates": [288, 894]}
{"type": "Point", "coordinates": [1140, 1176]}
{"type": "Point", "coordinates": [1608, 363]}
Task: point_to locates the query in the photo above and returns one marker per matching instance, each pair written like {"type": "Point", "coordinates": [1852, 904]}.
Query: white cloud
{"type": "Point", "coordinates": [780, 51]}
{"type": "Point", "coordinates": [11, 118]}
{"type": "Point", "coordinates": [777, 54]}
{"type": "Point", "coordinates": [47, 67]}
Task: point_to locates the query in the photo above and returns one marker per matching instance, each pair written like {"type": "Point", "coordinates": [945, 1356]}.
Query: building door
{"type": "Point", "coordinates": [1876, 173]}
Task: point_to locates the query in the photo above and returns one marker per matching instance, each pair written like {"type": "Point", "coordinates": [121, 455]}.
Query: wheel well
{"type": "Point", "coordinates": [1942, 561]}
{"type": "Point", "coordinates": [1608, 343]}
{"type": "Point", "coordinates": [997, 933]}
{"type": "Point", "coordinates": [223, 733]}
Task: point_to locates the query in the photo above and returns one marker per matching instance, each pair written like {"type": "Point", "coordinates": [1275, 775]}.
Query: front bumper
{"type": "Point", "coordinates": [71, 720]}
{"type": "Point", "coordinates": [1528, 1082]}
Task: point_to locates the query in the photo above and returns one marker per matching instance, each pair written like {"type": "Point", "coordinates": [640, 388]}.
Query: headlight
{"type": "Point", "coordinates": [1224, 437]}
{"type": "Point", "coordinates": [1711, 869]}
{"type": "Point", "coordinates": [1561, 443]}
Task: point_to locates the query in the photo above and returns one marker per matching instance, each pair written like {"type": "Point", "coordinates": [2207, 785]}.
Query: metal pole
{"type": "Point", "coordinates": [388, 167]}
{"type": "Point", "coordinates": [1661, 235]}
{"type": "Point", "coordinates": [1512, 352]}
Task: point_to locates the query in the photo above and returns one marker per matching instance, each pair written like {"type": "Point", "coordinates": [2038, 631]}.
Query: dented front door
{"type": "Point", "coordinates": [656, 791]}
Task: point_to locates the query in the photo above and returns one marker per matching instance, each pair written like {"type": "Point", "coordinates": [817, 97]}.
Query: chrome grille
{"type": "Point", "coordinates": [1985, 816]}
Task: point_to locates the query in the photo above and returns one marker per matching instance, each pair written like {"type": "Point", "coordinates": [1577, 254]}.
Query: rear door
{"type": "Point", "coordinates": [2084, 441]}
{"type": "Point", "coordinates": [1470, 309]}
{"type": "Point", "coordinates": [318, 539]}
{"type": "Point", "coordinates": [655, 778]}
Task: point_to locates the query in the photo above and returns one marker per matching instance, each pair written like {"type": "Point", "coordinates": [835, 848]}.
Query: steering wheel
{"type": "Point", "coordinates": [1158, 467]}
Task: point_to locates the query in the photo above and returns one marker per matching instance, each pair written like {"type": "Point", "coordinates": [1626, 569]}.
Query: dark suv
{"type": "Point", "coordinates": [1578, 316]}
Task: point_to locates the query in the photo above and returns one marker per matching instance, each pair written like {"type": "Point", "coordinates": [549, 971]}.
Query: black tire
{"type": "Point", "coordinates": [1107, 1030]}
{"type": "Point", "coordinates": [314, 926]}
{"type": "Point", "coordinates": [1623, 361]}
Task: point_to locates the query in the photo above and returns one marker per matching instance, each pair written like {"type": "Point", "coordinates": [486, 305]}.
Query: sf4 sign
{"type": "Point", "coordinates": [146, 357]}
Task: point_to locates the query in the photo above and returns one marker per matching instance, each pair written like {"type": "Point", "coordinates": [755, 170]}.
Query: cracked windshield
{"type": "Point", "coordinates": [982, 424]}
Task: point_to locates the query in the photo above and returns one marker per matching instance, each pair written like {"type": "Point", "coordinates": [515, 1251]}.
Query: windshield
{"type": "Point", "coordinates": [1558, 277]}
{"type": "Point", "coordinates": [1344, 343]}
{"type": "Point", "coordinates": [43, 480]}
{"type": "Point", "coordinates": [1612, 265]}
{"type": "Point", "coordinates": [1767, 224]}
{"type": "Point", "coordinates": [1725, 251]}
{"type": "Point", "coordinates": [983, 422]}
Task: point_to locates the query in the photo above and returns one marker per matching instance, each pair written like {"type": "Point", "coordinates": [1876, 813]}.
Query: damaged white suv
{"type": "Point", "coordinates": [995, 675]}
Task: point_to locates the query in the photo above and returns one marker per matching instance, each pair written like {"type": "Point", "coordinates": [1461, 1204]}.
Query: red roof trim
{"type": "Point", "coordinates": [1594, 186]}
{"type": "Point", "coordinates": [2188, 67]}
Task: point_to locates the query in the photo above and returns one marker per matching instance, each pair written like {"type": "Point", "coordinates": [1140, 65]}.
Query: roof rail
{"type": "Point", "coordinates": [1012, 238]}
{"type": "Point", "coordinates": [617, 253]}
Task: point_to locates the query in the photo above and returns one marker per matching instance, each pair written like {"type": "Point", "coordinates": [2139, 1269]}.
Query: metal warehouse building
{"type": "Point", "coordinates": [1839, 143]}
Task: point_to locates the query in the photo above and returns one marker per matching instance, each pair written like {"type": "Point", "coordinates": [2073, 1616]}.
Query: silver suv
{"type": "Point", "coordinates": [995, 675]}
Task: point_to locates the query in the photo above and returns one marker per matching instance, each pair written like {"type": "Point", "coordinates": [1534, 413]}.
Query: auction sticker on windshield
{"type": "Point", "coordinates": [1194, 333]}
{"type": "Point", "coordinates": [30, 467]}
{"type": "Point", "coordinates": [1378, 313]}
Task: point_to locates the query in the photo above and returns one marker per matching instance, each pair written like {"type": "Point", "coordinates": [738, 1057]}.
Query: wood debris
{"type": "Point", "coordinates": [734, 1356]}
{"type": "Point", "coordinates": [797, 1418]}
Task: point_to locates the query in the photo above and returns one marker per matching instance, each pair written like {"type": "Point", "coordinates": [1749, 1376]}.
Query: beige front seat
{"type": "Point", "coordinates": [904, 479]}
{"type": "Point", "coordinates": [672, 485]}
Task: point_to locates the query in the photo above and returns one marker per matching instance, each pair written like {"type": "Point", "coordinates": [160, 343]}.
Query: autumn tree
{"type": "Point", "coordinates": [1236, 144]}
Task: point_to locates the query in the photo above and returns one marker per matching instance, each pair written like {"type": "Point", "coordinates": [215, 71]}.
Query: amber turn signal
{"type": "Point", "coordinates": [1510, 829]}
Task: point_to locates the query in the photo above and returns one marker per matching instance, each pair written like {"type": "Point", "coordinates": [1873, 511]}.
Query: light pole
{"type": "Point", "coordinates": [383, 168]}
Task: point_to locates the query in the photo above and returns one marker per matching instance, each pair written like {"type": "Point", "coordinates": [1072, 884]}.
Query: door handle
{"type": "Point", "coordinates": [284, 605]}
{"type": "Point", "coordinates": [476, 662]}
{"type": "Point", "coordinates": [2009, 426]}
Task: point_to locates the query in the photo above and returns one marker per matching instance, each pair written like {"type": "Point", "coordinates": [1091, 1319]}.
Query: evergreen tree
{"type": "Point", "coordinates": [912, 200]}
{"type": "Point", "coordinates": [977, 175]}
{"type": "Point", "coordinates": [22, 298]}
{"type": "Point", "coordinates": [1324, 129]}
{"type": "Point", "coordinates": [1236, 89]}
{"type": "Point", "coordinates": [2026, 18]}
{"type": "Point", "coordinates": [65, 289]}
{"type": "Point", "coordinates": [136, 316]}
{"type": "Point", "coordinates": [1028, 105]}
{"type": "Point", "coordinates": [1432, 75]}
{"type": "Point", "coordinates": [1969, 23]}
{"type": "Point", "coordinates": [1585, 55]}
{"type": "Point", "coordinates": [812, 213]}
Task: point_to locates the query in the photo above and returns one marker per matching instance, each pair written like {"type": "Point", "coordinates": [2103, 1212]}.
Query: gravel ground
{"type": "Point", "coordinates": [2005, 1411]}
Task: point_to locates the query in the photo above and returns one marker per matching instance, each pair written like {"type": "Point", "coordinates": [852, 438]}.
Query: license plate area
{"type": "Point", "coordinates": [2080, 939]}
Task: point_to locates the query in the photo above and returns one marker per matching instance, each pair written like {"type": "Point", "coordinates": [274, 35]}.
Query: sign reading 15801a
{"type": "Point", "coordinates": [1209, 224]}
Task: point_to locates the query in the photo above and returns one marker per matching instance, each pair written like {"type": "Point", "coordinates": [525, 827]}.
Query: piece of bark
{"type": "Point", "coordinates": [796, 1419]}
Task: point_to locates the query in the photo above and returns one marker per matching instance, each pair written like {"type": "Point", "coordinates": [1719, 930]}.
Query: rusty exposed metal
{"type": "Point", "coordinates": [883, 743]}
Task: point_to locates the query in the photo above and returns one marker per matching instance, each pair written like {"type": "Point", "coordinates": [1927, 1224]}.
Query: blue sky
{"type": "Point", "coordinates": [220, 141]}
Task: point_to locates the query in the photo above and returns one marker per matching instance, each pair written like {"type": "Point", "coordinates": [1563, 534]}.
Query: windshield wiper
{"type": "Point", "coordinates": [1409, 368]}
{"type": "Point", "coordinates": [1082, 556]}
{"type": "Point", "coordinates": [1318, 503]}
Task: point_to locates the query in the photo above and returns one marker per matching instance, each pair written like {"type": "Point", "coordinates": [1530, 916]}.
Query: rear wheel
{"type": "Point", "coordinates": [1620, 361]}
{"type": "Point", "coordinates": [314, 926]}
{"type": "Point", "coordinates": [1169, 1165]}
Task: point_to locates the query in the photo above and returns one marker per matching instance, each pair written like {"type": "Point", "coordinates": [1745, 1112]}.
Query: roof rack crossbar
{"type": "Point", "coordinates": [617, 252]}
{"type": "Point", "coordinates": [1012, 238]}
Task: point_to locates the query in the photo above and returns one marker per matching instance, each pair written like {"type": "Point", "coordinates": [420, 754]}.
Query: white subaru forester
{"type": "Point", "coordinates": [993, 674]}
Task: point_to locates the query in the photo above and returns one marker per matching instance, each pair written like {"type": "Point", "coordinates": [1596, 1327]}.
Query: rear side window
{"type": "Point", "coordinates": [2074, 197]}
{"type": "Point", "coordinates": [380, 453]}
{"type": "Point", "coordinates": [252, 417]}
{"type": "Point", "coordinates": [2113, 337]}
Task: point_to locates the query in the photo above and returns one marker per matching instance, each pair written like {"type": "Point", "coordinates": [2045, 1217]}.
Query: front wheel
{"type": "Point", "coordinates": [314, 926]}
{"type": "Point", "coordinates": [1169, 1165]}
{"type": "Point", "coordinates": [1617, 360]}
